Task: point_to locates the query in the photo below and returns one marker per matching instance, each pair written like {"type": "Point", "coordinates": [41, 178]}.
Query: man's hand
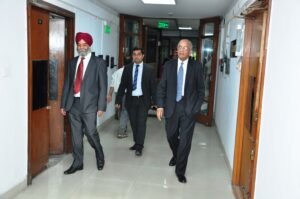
{"type": "Point", "coordinates": [154, 107]}
{"type": "Point", "coordinates": [159, 113]}
{"type": "Point", "coordinates": [118, 106]}
{"type": "Point", "coordinates": [100, 113]}
{"type": "Point", "coordinates": [63, 112]}
{"type": "Point", "coordinates": [108, 98]}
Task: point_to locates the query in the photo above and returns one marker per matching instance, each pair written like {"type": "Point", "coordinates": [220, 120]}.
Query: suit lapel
{"type": "Point", "coordinates": [143, 76]}
{"type": "Point", "coordinates": [89, 68]}
{"type": "Point", "coordinates": [189, 72]}
{"type": "Point", "coordinates": [73, 68]}
{"type": "Point", "coordinates": [130, 76]}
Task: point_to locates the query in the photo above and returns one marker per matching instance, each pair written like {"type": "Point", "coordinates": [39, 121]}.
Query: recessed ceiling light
{"type": "Point", "coordinates": [185, 28]}
{"type": "Point", "coordinates": [167, 2]}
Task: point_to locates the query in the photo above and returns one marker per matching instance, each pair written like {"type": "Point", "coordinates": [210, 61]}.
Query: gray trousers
{"type": "Point", "coordinates": [123, 118]}
{"type": "Point", "coordinates": [83, 123]}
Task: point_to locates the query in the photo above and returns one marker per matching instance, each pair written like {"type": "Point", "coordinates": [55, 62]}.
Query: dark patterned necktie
{"type": "Point", "coordinates": [78, 79]}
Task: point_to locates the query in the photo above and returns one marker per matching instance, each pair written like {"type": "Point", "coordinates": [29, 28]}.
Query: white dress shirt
{"type": "Point", "coordinates": [185, 63]}
{"type": "Point", "coordinates": [138, 91]}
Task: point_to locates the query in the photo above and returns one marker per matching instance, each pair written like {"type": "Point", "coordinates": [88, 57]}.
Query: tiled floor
{"type": "Point", "coordinates": [126, 176]}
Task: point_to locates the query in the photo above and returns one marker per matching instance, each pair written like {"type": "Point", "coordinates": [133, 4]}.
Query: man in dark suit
{"type": "Point", "coordinates": [84, 97]}
{"type": "Point", "coordinates": [179, 98]}
{"type": "Point", "coordinates": [138, 81]}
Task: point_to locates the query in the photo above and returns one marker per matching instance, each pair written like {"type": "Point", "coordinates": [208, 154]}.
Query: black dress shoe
{"type": "Point", "coordinates": [138, 152]}
{"type": "Point", "coordinates": [181, 178]}
{"type": "Point", "coordinates": [172, 162]}
{"type": "Point", "coordinates": [100, 164]}
{"type": "Point", "coordinates": [132, 148]}
{"type": "Point", "coordinates": [72, 170]}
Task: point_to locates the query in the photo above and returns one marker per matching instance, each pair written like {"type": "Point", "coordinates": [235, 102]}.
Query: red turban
{"type": "Point", "coordinates": [84, 36]}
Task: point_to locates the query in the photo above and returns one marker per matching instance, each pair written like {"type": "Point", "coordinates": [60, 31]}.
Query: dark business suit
{"type": "Point", "coordinates": [180, 120]}
{"type": "Point", "coordinates": [138, 106]}
{"type": "Point", "coordinates": [83, 110]}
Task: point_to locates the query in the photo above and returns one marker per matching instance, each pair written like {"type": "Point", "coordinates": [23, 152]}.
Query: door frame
{"type": "Point", "coordinates": [69, 53]}
{"type": "Point", "coordinates": [242, 100]}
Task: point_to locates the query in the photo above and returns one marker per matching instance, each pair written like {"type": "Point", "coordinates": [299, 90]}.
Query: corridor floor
{"type": "Point", "coordinates": [126, 176]}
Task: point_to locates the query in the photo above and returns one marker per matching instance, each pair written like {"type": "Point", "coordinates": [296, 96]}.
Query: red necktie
{"type": "Point", "coordinates": [79, 75]}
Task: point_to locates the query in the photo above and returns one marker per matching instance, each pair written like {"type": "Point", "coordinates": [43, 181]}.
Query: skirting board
{"type": "Point", "coordinates": [14, 191]}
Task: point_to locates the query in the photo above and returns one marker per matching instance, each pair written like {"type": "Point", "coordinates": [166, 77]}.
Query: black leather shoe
{"type": "Point", "coordinates": [72, 170]}
{"type": "Point", "coordinates": [132, 148]}
{"type": "Point", "coordinates": [138, 152]}
{"type": "Point", "coordinates": [181, 178]}
{"type": "Point", "coordinates": [100, 164]}
{"type": "Point", "coordinates": [172, 162]}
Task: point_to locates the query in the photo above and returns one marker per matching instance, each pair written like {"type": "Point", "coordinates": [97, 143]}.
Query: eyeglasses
{"type": "Point", "coordinates": [185, 48]}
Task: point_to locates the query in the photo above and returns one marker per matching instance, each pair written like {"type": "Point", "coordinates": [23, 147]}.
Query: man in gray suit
{"type": "Point", "coordinates": [179, 97]}
{"type": "Point", "coordinates": [84, 97]}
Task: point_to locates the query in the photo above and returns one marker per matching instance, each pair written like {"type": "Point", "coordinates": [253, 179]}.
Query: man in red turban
{"type": "Point", "coordinates": [84, 36]}
{"type": "Point", "coordinates": [84, 98]}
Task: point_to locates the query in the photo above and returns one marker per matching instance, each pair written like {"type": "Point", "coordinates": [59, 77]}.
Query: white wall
{"type": "Point", "coordinates": [227, 91]}
{"type": "Point", "coordinates": [13, 77]}
{"type": "Point", "coordinates": [13, 89]}
{"type": "Point", "coordinates": [278, 168]}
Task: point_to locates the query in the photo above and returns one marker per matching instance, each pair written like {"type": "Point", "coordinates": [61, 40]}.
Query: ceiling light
{"type": "Point", "coordinates": [184, 28]}
{"type": "Point", "coordinates": [167, 2]}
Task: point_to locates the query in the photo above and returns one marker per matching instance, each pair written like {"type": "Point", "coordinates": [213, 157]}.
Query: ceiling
{"type": "Point", "coordinates": [184, 13]}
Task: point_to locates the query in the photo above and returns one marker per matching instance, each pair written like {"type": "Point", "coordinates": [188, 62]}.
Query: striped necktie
{"type": "Point", "coordinates": [136, 72]}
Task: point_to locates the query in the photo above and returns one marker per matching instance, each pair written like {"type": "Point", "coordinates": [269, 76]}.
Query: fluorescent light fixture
{"type": "Point", "coordinates": [184, 28]}
{"type": "Point", "coordinates": [167, 2]}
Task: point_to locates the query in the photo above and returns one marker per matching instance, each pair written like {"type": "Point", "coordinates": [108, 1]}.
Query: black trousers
{"type": "Point", "coordinates": [84, 123]}
{"type": "Point", "coordinates": [180, 129]}
{"type": "Point", "coordinates": [138, 117]}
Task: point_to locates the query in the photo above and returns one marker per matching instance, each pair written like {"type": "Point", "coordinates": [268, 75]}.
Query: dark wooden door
{"type": "Point", "coordinates": [130, 36]}
{"type": "Point", "coordinates": [38, 90]}
{"type": "Point", "coordinates": [207, 55]}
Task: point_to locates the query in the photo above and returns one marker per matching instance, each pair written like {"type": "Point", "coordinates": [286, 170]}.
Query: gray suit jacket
{"type": "Point", "coordinates": [93, 89]}
{"type": "Point", "coordinates": [193, 90]}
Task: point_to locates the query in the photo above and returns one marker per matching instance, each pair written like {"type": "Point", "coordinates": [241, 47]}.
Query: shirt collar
{"type": "Point", "coordinates": [184, 62]}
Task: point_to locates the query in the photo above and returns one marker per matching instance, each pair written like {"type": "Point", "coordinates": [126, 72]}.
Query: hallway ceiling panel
{"type": "Point", "coordinates": [184, 13]}
{"type": "Point", "coordinates": [190, 9]}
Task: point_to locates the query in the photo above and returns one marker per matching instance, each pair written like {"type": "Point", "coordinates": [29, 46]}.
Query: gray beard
{"type": "Point", "coordinates": [83, 53]}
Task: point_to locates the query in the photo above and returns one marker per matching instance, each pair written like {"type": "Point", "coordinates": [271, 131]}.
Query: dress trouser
{"type": "Point", "coordinates": [84, 123]}
{"type": "Point", "coordinates": [180, 128]}
{"type": "Point", "coordinates": [123, 118]}
{"type": "Point", "coordinates": [138, 117]}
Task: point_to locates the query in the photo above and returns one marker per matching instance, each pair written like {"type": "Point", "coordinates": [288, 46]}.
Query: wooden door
{"type": "Point", "coordinates": [130, 36]}
{"type": "Point", "coordinates": [249, 108]}
{"type": "Point", "coordinates": [207, 55]}
{"type": "Point", "coordinates": [56, 77]}
{"type": "Point", "coordinates": [255, 28]}
{"type": "Point", "coordinates": [38, 90]}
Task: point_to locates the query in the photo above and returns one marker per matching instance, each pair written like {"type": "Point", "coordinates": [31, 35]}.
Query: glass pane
{"type": "Point", "coordinates": [131, 26]}
{"type": "Point", "coordinates": [130, 43]}
{"type": "Point", "coordinates": [206, 56]}
{"type": "Point", "coordinates": [208, 29]}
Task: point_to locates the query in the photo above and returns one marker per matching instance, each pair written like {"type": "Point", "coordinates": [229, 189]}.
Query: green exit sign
{"type": "Point", "coordinates": [163, 24]}
{"type": "Point", "coordinates": [106, 28]}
